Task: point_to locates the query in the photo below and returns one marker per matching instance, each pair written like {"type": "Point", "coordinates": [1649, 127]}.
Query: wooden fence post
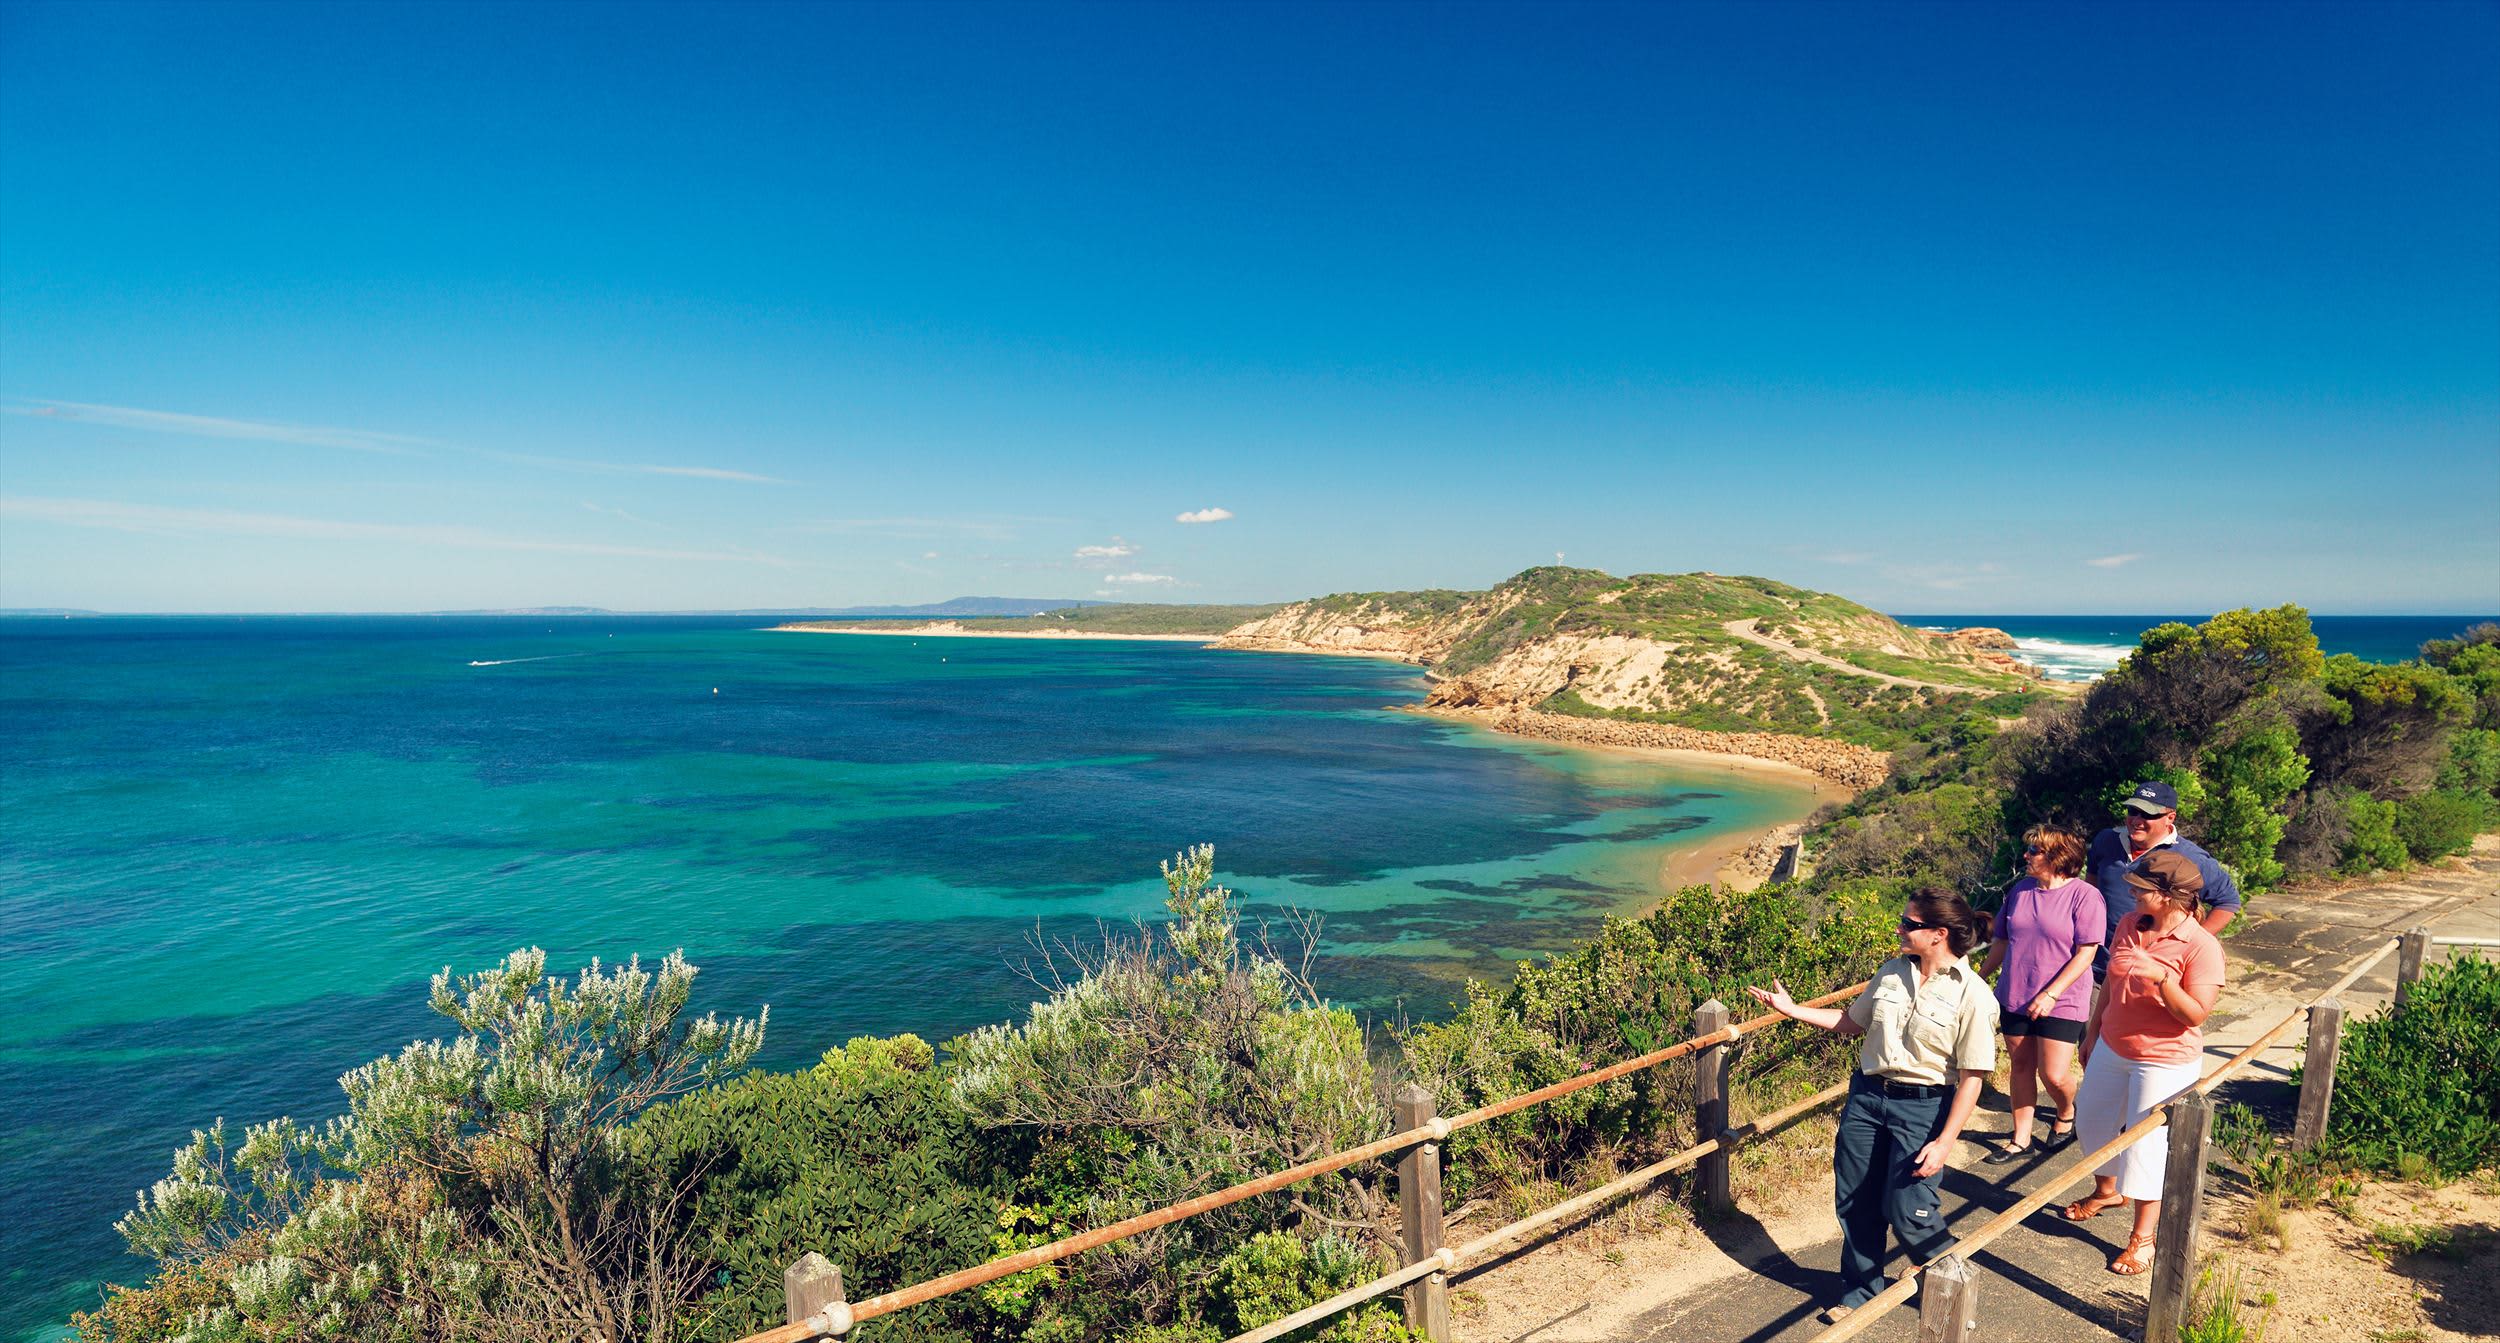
{"type": "Point", "coordinates": [809, 1285]}
{"type": "Point", "coordinates": [2317, 1073]}
{"type": "Point", "coordinates": [1419, 1215]}
{"type": "Point", "coordinates": [1948, 1302]}
{"type": "Point", "coordinates": [2182, 1212]}
{"type": "Point", "coordinates": [1718, 1192]}
{"type": "Point", "coordinates": [2409, 954]}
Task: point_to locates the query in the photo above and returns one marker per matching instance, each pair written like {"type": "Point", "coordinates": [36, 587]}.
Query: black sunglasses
{"type": "Point", "coordinates": [1914, 926]}
{"type": "Point", "coordinates": [2034, 851]}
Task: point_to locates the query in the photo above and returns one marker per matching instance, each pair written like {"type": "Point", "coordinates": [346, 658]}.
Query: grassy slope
{"type": "Point", "coordinates": [1718, 681]}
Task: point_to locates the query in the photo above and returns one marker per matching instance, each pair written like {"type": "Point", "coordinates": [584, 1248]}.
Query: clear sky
{"type": "Point", "coordinates": [1971, 307]}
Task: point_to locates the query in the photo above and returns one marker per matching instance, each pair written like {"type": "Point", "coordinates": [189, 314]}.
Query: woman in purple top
{"type": "Point", "coordinates": [2046, 932]}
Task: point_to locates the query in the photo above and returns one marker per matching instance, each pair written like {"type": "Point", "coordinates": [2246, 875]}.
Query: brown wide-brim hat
{"type": "Point", "coordinates": [2168, 872]}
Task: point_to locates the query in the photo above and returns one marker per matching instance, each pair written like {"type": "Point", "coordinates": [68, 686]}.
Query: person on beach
{"type": "Point", "coordinates": [2145, 1041]}
{"type": "Point", "coordinates": [1930, 1028]}
{"type": "Point", "coordinates": [2044, 938]}
{"type": "Point", "coordinates": [2149, 823]}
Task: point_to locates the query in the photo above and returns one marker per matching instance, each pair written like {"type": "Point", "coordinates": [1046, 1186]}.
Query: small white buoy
{"type": "Point", "coordinates": [716, 690]}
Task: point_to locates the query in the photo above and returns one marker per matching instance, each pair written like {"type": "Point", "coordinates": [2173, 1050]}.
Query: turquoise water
{"type": "Point", "coordinates": [231, 851]}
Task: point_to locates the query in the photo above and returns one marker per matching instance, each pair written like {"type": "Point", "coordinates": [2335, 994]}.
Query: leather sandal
{"type": "Point", "coordinates": [2137, 1257]}
{"type": "Point", "coordinates": [2085, 1209]}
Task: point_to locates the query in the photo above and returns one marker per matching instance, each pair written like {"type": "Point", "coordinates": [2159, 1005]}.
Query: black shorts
{"type": "Point", "coordinates": [2017, 1025]}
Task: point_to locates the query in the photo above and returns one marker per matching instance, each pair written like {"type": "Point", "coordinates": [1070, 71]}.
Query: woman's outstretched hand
{"type": "Point", "coordinates": [1775, 997]}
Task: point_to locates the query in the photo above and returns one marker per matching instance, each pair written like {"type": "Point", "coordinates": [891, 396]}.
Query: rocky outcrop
{"type": "Point", "coordinates": [1979, 636]}
{"type": "Point", "coordinates": [1844, 763]}
{"type": "Point", "coordinates": [1754, 865]}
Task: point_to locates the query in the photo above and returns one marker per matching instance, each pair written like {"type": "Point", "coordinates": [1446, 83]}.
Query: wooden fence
{"type": "Point", "coordinates": [817, 1308]}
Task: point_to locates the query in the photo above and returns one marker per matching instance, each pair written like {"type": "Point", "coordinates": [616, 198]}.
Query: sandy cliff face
{"type": "Point", "coordinates": [1377, 628]}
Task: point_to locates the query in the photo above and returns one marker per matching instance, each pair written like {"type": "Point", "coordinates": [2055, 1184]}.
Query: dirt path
{"type": "Point", "coordinates": [1760, 1276]}
{"type": "Point", "coordinates": [1750, 631]}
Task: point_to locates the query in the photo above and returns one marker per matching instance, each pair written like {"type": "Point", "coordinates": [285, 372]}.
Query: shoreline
{"type": "Point", "coordinates": [951, 630]}
{"type": "Point", "coordinates": [1845, 770]}
{"type": "Point", "coordinates": [1701, 862]}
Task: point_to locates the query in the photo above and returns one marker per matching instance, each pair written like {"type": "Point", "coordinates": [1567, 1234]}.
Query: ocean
{"type": "Point", "coordinates": [232, 850]}
{"type": "Point", "coordinates": [2082, 648]}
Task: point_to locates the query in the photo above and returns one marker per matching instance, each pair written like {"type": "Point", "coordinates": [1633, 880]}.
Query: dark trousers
{"type": "Point", "coordinates": [1873, 1187]}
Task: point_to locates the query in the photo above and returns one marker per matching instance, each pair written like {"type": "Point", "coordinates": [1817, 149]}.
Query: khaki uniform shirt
{"type": "Point", "coordinates": [1926, 1032]}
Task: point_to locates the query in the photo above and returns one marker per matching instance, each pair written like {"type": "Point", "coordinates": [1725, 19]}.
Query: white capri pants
{"type": "Point", "coordinates": [2117, 1091]}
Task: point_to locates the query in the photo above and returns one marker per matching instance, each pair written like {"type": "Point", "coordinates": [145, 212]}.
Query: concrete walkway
{"type": "Point", "coordinates": [2047, 1280]}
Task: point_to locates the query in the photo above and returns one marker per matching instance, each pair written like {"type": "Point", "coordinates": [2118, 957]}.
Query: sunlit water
{"type": "Point", "coordinates": [231, 851]}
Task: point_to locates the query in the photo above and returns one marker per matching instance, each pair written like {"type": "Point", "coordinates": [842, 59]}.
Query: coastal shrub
{"type": "Point", "coordinates": [1953, 834]}
{"type": "Point", "coordinates": [2247, 781]}
{"type": "Point", "coordinates": [1632, 990]}
{"type": "Point", "coordinates": [1166, 1066]}
{"type": "Point", "coordinates": [2370, 839]}
{"type": "Point", "coordinates": [2383, 728]}
{"type": "Point", "coordinates": [2421, 1083]}
{"type": "Point", "coordinates": [864, 1157]}
{"type": "Point", "coordinates": [481, 1188]}
{"type": "Point", "coordinates": [2437, 824]}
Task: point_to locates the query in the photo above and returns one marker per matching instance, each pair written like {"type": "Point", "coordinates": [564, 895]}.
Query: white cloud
{"type": "Point", "coordinates": [208, 426]}
{"type": "Point", "coordinates": [930, 555]}
{"type": "Point", "coordinates": [1118, 549]}
{"type": "Point", "coordinates": [1845, 557]}
{"type": "Point", "coordinates": [1204, 515]}
{"type": "Point", "coordinates": [2113, 561]}
{"type": "Point", "coordinates": [150, 519]}
{"type": "Point", "coordinates": [1139, 578]}
{"type": "Point", "coordinates": [911, 528]}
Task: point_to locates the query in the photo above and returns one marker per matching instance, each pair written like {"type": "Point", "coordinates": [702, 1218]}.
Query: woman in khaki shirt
{"type": "Point", "coordinates": [1930, 1024]}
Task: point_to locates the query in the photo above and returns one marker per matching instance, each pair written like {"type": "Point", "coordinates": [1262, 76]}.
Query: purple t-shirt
{"type": "Point", "coordinates": [2041, 929]}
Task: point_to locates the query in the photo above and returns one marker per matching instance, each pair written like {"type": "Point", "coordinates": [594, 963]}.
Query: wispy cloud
{"type": "Point", "coordinates": [325, 436]}
{"type": "Point", "coordinates": [1946, 577]}
{"type": "Point", "coordinates": [1139, 578]}
{"type": "Point", "coordinates": [209, 426]}
{"type": "Point", "coordinates": [606, 511]}
{"type": "Point", "coordinates": [1845, 557]}
{"type": "Point", "coordinates": [151, 519]}
{"type": "Point", "coordinates": [702, 473]}
{"type": "Point", "coordinates": [986, 529]}
{"type": "Point", "coordinates": [2113, 561]}
{"type": "Point", "coordinates": [1204, 515]}
{"type": "Point", "coordinates": [1117, 550]}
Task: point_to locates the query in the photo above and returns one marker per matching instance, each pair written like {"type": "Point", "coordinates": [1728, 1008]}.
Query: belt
{"type": "Point", "coordinates": [1905, 1090]}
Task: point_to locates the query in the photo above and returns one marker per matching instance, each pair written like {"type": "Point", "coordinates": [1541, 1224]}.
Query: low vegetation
{"type": "Point", "coordinates": [2289, 764]}
{"type": "Point", "coordinates": [583, 1159]}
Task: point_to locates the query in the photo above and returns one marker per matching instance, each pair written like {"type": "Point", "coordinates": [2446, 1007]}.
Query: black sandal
{"type": "Point", "coordinates": [2059, 1137]}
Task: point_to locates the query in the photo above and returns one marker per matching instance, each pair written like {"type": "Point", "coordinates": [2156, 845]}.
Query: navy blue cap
{"type": "Point", "coordinates": [2153, 798]}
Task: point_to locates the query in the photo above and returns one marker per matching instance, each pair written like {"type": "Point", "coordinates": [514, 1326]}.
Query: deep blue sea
{"type": "Point", "coordinates": [2080, 648]}
{"type": "Point", "coordinates": [233, 850]}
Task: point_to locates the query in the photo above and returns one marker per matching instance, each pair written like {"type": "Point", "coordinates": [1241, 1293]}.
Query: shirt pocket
{"type": "Point", "coordinates": [1932, 1025]}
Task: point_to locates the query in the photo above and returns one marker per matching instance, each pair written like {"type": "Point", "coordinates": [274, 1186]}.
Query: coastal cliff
{"type": "Point", "coordinates": [1701, 661]}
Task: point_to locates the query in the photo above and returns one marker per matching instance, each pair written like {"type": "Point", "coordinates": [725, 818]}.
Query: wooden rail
{"type": "Point", "coordinates": [834, 1317]}
{"type": "Point", "coordinates": [813, 1290]}
{"type": "Point", "coordinates": [2174, 1254]}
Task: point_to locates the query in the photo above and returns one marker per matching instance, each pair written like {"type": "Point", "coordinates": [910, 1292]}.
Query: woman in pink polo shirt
{"type": "Point", "coordinates": [2145, 1041]}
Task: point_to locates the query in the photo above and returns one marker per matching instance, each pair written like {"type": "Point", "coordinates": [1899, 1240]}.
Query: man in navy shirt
{"type": "Point", "coordinates": [2151, 821]}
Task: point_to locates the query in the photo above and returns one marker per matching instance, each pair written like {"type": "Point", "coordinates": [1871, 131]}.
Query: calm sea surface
{"type": "Point", "coordinates": [232, 850]}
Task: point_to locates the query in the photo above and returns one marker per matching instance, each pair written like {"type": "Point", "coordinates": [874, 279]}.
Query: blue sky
{"type": "Point", "coordinates": [1981, 308]}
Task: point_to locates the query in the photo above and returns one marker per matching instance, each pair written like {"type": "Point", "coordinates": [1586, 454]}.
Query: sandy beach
{"type": "Point", "coordinates": [1698, 863]}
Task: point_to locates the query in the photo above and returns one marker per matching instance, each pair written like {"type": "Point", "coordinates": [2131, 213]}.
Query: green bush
{"type": "Point", "coordinates": [1168, 1067]}
{"type": "Point", "coordinates": [1632, 990]}
{"type": "Point", "coordinates": [864, 1158]}
{"type": "Point", "coordinates": [2370, 839]}
{"type": "Point", "coordinates": [2246, 782]}
{"type": "Point", "coordinates": [2422, 1083]}
{"type": "Point", "coordinates": [2437, 824]}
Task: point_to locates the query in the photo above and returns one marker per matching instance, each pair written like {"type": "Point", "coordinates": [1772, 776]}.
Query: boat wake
{"type": "Point", "coordinates": [506, 662]}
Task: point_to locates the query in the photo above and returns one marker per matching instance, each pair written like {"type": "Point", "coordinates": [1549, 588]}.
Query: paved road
{"type": "Point", "coordinates": [2046, 1280]}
